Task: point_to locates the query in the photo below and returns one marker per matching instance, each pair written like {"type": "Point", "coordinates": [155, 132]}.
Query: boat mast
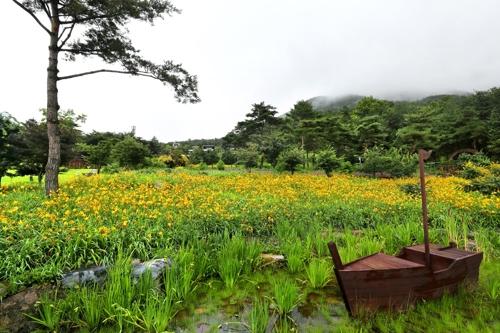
{"type": "Point", "coordinates": [423, 155]}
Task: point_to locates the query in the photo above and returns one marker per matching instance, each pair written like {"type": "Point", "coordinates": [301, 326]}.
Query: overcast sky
{"type": "Point", "coordinates": [246, 52]}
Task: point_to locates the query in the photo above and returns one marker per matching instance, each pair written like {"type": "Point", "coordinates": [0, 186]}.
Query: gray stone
{"type": "Point", "coordinates": [98, 275]}
{"type": "Point", "coordinates": [156, 267]}
{"type": "Point", "coordinates": [85, 276]}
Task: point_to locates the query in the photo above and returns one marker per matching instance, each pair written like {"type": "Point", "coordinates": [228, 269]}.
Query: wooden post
{"type": "Point", "coordinates": [337, 262]}
{"type": "Point", "coordinates": [423, 155]}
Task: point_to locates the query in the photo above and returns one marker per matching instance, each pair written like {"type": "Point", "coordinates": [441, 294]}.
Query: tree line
{"type": "Point", "coordinates": [373, 127]}
{"type": "Point", "coordinates": [380, 135]}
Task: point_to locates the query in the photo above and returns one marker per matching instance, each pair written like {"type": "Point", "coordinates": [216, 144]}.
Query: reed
{"type": "Point", "coordinates": [179, 278]}
{"type": "Point", "coordinates": [295, 254]}
{"type": "Point", "coordinates": [286, 295]}
{"type": "Point", "coordinates": [92, 311]}
{"type": "Point", "coordinates": [50, 316]}
{"type": "Point", "coordinates": [257, 319]}
{"type": "Point", "coordinates": [319, 273]}
{"type": "Point", "coordinates": [157, 313]}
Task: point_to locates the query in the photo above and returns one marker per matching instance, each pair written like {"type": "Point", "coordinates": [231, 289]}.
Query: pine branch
{"type": "Point", "coordinates": [104, 71]}
{"type": "Point", "coordinates": [33, 15]}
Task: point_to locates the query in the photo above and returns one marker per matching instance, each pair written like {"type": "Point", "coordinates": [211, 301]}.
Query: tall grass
{"type": "Point", "coordinates": [257, 318]}
{"type": "Point", "coordinates": [286, 295]}
{"type": "Point", "coordinates": [319, 273]}
{"type": "Point", "coordinates": [296, 255]}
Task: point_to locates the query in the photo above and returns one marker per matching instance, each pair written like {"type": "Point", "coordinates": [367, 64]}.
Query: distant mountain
{"type": "Point", "coordinates": [326, 103]}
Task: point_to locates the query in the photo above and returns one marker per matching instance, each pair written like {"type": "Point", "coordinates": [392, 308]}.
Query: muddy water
{"type": "Point", "coordinates": [318, 309]}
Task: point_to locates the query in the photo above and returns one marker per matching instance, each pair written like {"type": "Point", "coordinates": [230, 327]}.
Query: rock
{"type": "Point", "coordinates": [359, 233]}
{"type": "Point", "coordinates": [270, 258]}
{"type": "Point", "coordinates": [12, 309]}
{"type": "Point", "coordinates": [156, 267]}
{"type": "Point", "coordinates": [98, 275]}
{"type": "Point", "coordinates": [85, 276]}
{"type": "Point", "coordinates": [471, 245]}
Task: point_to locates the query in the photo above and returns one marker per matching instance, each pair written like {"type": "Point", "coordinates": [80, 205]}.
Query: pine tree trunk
{"type": "Point", "coordinates": [52, 167]}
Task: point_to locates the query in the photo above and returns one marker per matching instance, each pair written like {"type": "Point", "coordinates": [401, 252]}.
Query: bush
{"type": "Point", "coordinates": [291, 159]}
{"type": "Point", "coordinates": [220, 165]}
{"type": "Point", "coordinates": [479, 159]}
{"type": "Point", "coordinates": [229, 157]}
{"type": "Point", "coordinates": [346, 167]}
{"type": "Point", "coordinates": [485, 180]}
{"type": "Point", "coordinates": [111, 168]}
{"type": "Point", "coordinates": [393, 162]}
{"type": "Point", "coordinates": [328, 161]}
{"type": "Point", "coordinates": [155, 163]}
{"type": "Point", "coordinates": [202, 166]}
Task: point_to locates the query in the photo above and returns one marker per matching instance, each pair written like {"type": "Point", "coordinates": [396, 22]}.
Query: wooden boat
{"type": "Point", "coordinates": [418, 272]}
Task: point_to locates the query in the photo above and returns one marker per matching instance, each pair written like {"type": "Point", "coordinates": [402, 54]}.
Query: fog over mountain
{"type": "Point", "coordinates": [246, 52]}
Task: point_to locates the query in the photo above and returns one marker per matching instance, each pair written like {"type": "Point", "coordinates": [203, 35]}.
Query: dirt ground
{"type": "Point", "coordinates": [12, 309]}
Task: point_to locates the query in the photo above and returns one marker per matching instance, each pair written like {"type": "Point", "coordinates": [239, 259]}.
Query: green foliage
{"type": "Point", "coordinates": [258, 316]}
{"type": "Point", "coordinates": [346, 167]}
{"type": "Point", "coordinates": [328, 161]}
{"type": "Point", "coordinates": [220, 165]}
{"type": "Point", "coordinates": [98, 155]}
{"type": "Point", "coordinates": [130, 153]}
{"type": "Point", "coordinates": [9, 157]}
{"type": "Point", "coordinates": [249, 156]}
{"type": "Point", "coordinates": [479, 159]}
{"type": "Point", "coordinates": [197, 156]}
{"type": "Point", "coordinates": [202, 166]}
{"type": "Point", "coordinates": [392, 162]}
{"type": "Point", "coordinates": [50, 315]}
{"type": "Point", "coordinates": [229, 157]}
{"type": "Point", "coordinates": [272, 148]}
{"type": "Point", "coordinates": [175, 159]}
{"type": "Point", "coordinates": [211, 157]}
{"type": "Point", "coordinates": [33, 144]}
{"type": "Point", "coordinates": [291, 159]}
{"type": "Point", "coordinates": [286, 295]}
{"type": "Point", "coordinates": [112, 168]}
{"type": "Point", "coordinates": [319, 272]}
{"type": "Point", "coordinates": [411, 189]}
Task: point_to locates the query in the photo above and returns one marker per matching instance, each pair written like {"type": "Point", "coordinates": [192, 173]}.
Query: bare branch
{"type": "Point", "coordinates": [45, 7]}
{"type": "Point", "coordinates": [104, 71]}
{"type": "Point", "coordinates": [67, 37]}
{"type": "Point", "coordinates": [33, 15]}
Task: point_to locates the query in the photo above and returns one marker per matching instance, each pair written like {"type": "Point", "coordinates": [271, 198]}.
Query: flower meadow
{"type": "Point", "coordinates": [156, 213]}
{"type": "Point", "coordinates": [214, 225]}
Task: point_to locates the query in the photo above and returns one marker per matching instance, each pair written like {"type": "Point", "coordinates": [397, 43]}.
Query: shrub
{"type": "Point", "coordinates": [328, 161]}
{"type": "Point", "coordinates": [220, 165]}
{"type": "Point", "coordinates": [111, 168]}
{"type": "Point", "coordinates": [393, 162]}
{"type": "Point", "coordinates": [291, 159]}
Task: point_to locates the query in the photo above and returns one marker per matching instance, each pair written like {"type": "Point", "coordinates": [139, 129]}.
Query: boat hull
{"type": "Point", "coordinates": [385, 282]}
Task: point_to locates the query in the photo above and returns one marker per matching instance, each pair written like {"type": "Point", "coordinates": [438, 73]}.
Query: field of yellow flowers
{"type": "Point", "coordinates": [154, 214]}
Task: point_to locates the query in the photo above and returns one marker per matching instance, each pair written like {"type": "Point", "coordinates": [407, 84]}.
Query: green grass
{"type": "Point", "coordinates": [215, 236]}
{"type": "Point", "coordinates": [24, 180]}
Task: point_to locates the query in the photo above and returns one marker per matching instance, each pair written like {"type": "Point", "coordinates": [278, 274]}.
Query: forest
{"type": "Point", "coordinates": [357, 133]}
